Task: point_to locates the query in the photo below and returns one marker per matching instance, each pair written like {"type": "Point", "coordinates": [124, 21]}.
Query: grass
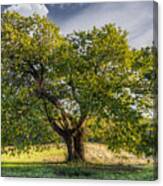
{"type": "Point", "coordinates": [101, 164]}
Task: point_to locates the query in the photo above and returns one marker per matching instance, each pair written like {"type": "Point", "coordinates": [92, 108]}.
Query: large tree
{"type": "Point", "coordinates": [87, 80]}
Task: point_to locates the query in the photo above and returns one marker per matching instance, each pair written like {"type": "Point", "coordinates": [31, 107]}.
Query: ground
{"type": "Point", "coordinates": [101, 164]}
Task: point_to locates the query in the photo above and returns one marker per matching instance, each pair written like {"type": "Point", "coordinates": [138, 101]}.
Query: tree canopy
{"type": "Point", "coordinates": [89, 81]}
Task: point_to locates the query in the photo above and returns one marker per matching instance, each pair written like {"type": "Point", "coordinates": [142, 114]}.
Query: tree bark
{"type": "Point", "coordinates": [72, 137]}
{"type": "Point", "coordinates": [79, 144]}
{"type": "Point", "coordinates": [75, 146]}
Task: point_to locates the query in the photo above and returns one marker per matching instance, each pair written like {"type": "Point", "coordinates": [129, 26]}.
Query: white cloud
{"type": "Point", "coordinates": [135, 17]}
{"type": "Point", "coordinates": [29, 9]}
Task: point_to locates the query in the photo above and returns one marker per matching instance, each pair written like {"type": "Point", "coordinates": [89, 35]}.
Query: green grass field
{"type": "Point", "coordinates": [101, 164]}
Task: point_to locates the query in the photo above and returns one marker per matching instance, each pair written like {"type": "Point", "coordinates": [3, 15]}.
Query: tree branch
{"type": "Point", "coordinates": [80, 123]}
{"type": "Point", "coordinates": [42, 93]}
{"type": "Point", "coordinates": [52, 121]}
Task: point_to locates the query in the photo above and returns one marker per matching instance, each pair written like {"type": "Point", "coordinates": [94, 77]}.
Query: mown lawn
{"type": "Point", "coordinates": [101, 164]}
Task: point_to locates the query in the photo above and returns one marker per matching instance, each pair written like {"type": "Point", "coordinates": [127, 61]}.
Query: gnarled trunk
{"type": "Point", "coordinates": [75, 146]}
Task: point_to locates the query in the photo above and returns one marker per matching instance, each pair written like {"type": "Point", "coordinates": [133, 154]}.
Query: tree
{"type": "Point", "coordinates": [85, 80]}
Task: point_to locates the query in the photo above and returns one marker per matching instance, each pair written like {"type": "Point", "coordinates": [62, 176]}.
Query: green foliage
{"type": "Point", "coordinates": [25, 41]}
{"type": "Point", "coordinates": [94, 74]}
{"type": "Point", "coordinates": [121, 84]}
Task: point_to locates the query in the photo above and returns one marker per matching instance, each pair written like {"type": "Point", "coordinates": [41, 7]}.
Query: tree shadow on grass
{"type": "Point", "coordinates": [69, 170]}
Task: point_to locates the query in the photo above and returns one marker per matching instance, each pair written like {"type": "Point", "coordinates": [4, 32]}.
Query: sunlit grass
{"type": "Point", "coordinates": [94, 152]}
{"type": "Point", "coordinates": [48, 153]}
{"type": "Point", "coordinates": [101, 164]}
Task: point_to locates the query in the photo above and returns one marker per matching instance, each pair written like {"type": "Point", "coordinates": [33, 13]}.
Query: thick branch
{"type": "Point", "coordinates": [42, 93]}
{"type": "Point", "coordinates": [80, 123]}
{"type": "Point", "coordinates": [52, 122]}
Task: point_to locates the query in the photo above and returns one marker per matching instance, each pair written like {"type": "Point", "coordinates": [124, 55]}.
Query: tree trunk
{"type": "Point", "coordinates": [79, 145]}
{"type": "Point", "coordinates": [75, 146]}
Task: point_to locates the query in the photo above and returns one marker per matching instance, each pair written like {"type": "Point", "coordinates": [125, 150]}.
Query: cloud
{"type": "Point", "coordinates": [29, 9]}
{"type": "Point", "coordinates": [135, 17]}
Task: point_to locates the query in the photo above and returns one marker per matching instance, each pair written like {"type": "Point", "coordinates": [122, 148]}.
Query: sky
{"type": "Point", "coordinates": [135, 17]}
